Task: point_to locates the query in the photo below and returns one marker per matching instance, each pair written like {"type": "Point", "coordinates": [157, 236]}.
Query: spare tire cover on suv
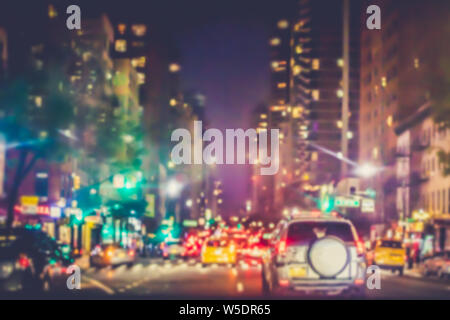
{"type": "Point", "coordinates": [328, 256]}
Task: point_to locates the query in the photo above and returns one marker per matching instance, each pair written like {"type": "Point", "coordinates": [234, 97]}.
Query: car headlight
{"type": "Point", "coordinates": [6, 269]}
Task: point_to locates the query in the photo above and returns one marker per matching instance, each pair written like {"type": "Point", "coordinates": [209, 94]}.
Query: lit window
{"type": "Point", "coordinates": [140, 78]}
{"type": "Point", "coordinates": [297, 112]}
{"type": "Point", "coordinates": [315, 95]}
{"type": "Point", "coordinates": [277, 108]}
{"type": "Point", "coordinates": [299, 49]}
{"type": "Point", "coordinates": [375, 153]}
{"type": "Point", "coordinates": [349, 135]}
{"type": "Point", "coordinates": [383, 82]}
{"type": "Point", "coordinates": [275, 42]}
{"type": "Point", "coordinates": [389, 121]}
{"type": "Point", "coordinates": [416, 63]}
{"type": "Point", "coordinates": [39, 64]}
{"type": "Point", "coordinates": [173, 102]}
{"type": "Point", "coordinates": [38, 101]}
{"type": "Point", "coordinates": [139, 30]}
{"type": "Point", "coordinates": [297, 70]}
{"type": "Point", "coordinates": [174, 67]}
{"type": "Point", "coordinates": [281, 85]}
{"type": "Point", "coordinates": [121, 45]}
{"type": "Point", "coordinates": [316, 64]}
{"type": "Point", "coordinates": [52, 13]}
{"type": "Point", "coordinates": [340, 93]}
{"type": "Point", "coordinates": [137, 44]}
{"type": "Point", "coordinates": [263, 116]}
{"type": "Point", "coordinates": [121, 27]}
{"type": "Point", "coordinates": [138, 62]}
{"type": "Point", "coordinates": [339, 124]}
{"type": "Point", "coordinates": [283, 24]}
{"type": "Point", "coordinates": [340, 63]}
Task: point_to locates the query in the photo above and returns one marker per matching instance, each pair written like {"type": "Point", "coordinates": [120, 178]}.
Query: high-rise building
{"type": "Point", "coordinates": [3, 70]}
{"type": "Point", "coordinates": [394, 64]}
{"type": "Point", "coordinates": [261, 186]}
{"type": "Point", "coordinates": [317, 87]}
{"type": "Point", "coordinates": [3, 53]}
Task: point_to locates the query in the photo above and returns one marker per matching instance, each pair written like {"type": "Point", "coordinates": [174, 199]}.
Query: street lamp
{"type": "Point", "coordinates": [174, 188]}
{"type": "Point", "coordinates": [366, 170]}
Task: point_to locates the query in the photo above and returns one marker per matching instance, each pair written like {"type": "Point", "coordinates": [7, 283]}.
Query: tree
{"type": "Point", "coordinates": [35, 131]}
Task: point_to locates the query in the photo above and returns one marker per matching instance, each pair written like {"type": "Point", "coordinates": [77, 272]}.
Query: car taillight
{"type": "Point", "coordinates": [281, 249]}
{"type": "Point", "coordinates": [23, 262]}
{"type": "Point", "coordinates": [359, 248]}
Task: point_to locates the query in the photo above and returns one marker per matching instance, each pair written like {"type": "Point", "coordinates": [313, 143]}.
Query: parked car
{"type": "Point", "coordinates": [314, 255]}
{"type": "Point", "coordinates": [390, 254]}
{"type": "Point", "coordinates": [111, 255]}
{"type": "Point", "coordinates": [219, 251]}
{"type": "Point", "coordinates": [438, 264]}
{"type": "Point", "coordinates": [172, 249]}
{"type": "Point", "coordinates": [30, 261]}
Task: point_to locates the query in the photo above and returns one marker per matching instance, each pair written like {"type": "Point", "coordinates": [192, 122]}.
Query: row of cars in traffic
{"type": "Point", "coordinates": [221, 246]}
{"type": "Point", "coordinates": [308, 253]}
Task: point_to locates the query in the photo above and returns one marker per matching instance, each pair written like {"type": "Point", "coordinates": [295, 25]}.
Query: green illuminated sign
{"type": "Point", "coordinates": [346, 202]}
{"type": "Point", "coordinates": [190, 223]}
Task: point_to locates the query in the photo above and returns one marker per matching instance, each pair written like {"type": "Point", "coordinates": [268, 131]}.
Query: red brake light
{"type": "Point", "coordinates": [23, 262]}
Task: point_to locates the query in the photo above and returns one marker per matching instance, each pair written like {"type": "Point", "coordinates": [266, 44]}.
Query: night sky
{"type": "Point", "coordinates": [224, 55]}
{"type": "Point", "coordinates": [223, 48]}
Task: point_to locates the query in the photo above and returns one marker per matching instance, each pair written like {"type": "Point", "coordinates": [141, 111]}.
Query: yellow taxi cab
{"type": "Point", "coordinates": [218, 251]}
{"type": "Point", "coordinates": [390, 254]}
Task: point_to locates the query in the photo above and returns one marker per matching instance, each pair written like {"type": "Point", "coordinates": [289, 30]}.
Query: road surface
{"type": "Point", "coordinates": [155, 278]}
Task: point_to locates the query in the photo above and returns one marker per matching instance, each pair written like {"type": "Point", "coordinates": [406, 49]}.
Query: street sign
{"type": "Point", "coordinates": [190, 223]}
{"type": "Point", "coordinates": [368, 206]}
{"type": "Point", "coordinates": [150, 209]}
{"type": "Point", "coordinates": [29, 200]}
{"type": "Point", "coordinates": [346, 202]}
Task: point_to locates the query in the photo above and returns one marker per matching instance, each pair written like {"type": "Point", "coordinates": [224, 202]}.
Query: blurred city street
{"type": "Point", "coordinates": [158, 279]}
{"type": "Point", "coordinates": [166, 149]}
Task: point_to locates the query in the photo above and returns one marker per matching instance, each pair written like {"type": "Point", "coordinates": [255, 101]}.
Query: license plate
{"type": "Point", "coordinates": [297, 272]}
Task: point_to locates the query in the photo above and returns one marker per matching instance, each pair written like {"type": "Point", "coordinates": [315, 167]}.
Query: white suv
{"type": "Point", "coordinates": [315, 256]}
